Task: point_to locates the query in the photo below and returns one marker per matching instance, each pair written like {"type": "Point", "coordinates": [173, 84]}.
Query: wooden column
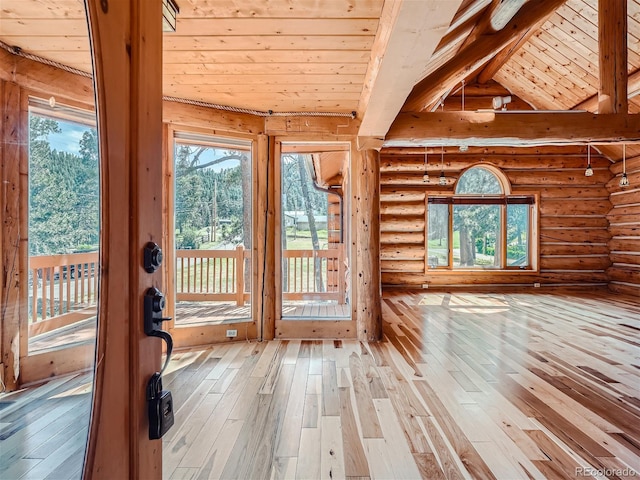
{"type": "Point", "coordinates": [366, 280]}
{"type": "Point", "coordinates": [612, 42]}
{"type": "Point", "coordinates": [127, 53]}
{"type": "Point", "coordinates": [13, 235]}
{"type": "Point", "coordinates": [264, 247]}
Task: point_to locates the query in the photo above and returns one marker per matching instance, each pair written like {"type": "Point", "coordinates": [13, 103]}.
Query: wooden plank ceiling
{"type": "Point", "coordinates": [314, 55]}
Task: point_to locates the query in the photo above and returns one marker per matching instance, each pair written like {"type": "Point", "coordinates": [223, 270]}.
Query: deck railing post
{"type": "Point", "coordinates": [240, 275]}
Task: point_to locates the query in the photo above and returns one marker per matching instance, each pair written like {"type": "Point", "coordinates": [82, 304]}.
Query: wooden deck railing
{"type": "Point", "coordinates": [219, 275]}
{"type": "Point", "coordinates": [63, 290]}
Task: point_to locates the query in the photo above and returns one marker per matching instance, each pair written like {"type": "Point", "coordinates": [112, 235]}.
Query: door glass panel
{"type": "Point", "coordinates": [314, 257]}
{"type": "Point", "coordinates": [63, 229]}
{"type": "Point", "coordinates": [213, 231]}
{"type": "Point", "coordinates": [476, 236]}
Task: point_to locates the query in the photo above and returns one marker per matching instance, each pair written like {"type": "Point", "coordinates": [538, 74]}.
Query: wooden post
{"type": "Point", "coordinates": [240, 275]}
{"type": "Point", "coordinates": [127, 54]}
{"type": "Point", "coordinates": [264, 246]}
{"type": "Point", "coordinates": [367, 236]}
{"type": "Point", "coordinates": [11, 309]}
{"type": "Point", "coordinates": [612, 42]}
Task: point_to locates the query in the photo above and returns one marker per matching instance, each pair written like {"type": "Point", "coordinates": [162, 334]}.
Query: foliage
{"type": "Point", "coordinates": [63, 192]}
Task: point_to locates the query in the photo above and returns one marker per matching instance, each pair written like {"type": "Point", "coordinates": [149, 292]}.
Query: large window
{"type": "Point", "coordinates": [481, 226]}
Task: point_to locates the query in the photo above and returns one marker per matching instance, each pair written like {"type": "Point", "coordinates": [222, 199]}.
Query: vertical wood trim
{"type": "Point", "coordinates": [277, 237]}
{"type": "Point", "coordinates": [612, 42]}
{"type": "Point", "coordinates": [3, 124]}
{"type": "Point", "coordinates": [168, 222]}
{"type": "Point", "coordinates": [23, 248]}
{"type": "Point", "coordinates": [127, 54]}
{"type": "Point", "coordinates": [367, 211]}
{"type": "Point", "coordinates": [426, 233]}
{"type": "Point", "coordinates": [11, 216]}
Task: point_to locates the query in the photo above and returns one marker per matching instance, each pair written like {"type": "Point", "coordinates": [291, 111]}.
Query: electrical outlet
{"type": "Point", "coordinates": [536, 285]}
{"type": "Point", "coordinates": [425, 285]}
{"type": "Point", "coordinates": [232, 333]}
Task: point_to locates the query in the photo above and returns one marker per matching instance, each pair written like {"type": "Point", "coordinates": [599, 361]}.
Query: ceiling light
{"type": "Point", "coordinates": [442, 181]}
{"type": "Point", "coordinates": [170, 11]}
{"type": "Point", "coordinates": [624, 180]}
{"type": "Point", "coordinates": [589, 171]}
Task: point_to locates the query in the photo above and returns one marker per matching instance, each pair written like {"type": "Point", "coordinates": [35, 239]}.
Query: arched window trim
{"type": "Point", "coordinates": [505, 185]}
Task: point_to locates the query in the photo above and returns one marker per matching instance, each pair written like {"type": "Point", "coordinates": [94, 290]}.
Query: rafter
{"type": "Point", "coordinates": [477, 53]}
{"type": "Point", "coordinates": [612, 42]}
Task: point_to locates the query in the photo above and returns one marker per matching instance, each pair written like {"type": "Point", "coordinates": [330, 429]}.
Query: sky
{"type": "Point", "coordinates": [69, 138]}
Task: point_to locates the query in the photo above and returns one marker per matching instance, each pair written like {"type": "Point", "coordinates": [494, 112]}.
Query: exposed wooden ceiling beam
{"type": "Point", "coordinates": [633, 89]}
{"type": "Point", "coordinates": [496, 63]}
{"type": "Point", "coordinates": [477, 53]}
{"type": "Point", "coordinates": [409, 33]}
{"type": "Point", "coordinates": [612, 42]}
{"type": "Point", "coordinates": [506, 128]}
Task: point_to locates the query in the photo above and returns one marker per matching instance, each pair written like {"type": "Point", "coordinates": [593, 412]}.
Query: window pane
{"type": "Point", "coordinates": [438, 232]}
{"type": "Point", "coordinates": [478, 180]}
{"type": "Point", "coordinates": [518, 235]}
{"type": "Point", "coordinates": [476, 236]}
{"type": "Point", "coordinates": [212, 232]}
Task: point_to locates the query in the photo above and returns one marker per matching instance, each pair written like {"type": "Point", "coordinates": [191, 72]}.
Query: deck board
{"type": "Point", "coordinates": [462, 386]}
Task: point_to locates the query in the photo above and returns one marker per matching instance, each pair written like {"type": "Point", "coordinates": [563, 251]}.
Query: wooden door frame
{"type": "Point", "coordinates": [303, 328]}
{"type": "Point", "coordinates": [126, 42]}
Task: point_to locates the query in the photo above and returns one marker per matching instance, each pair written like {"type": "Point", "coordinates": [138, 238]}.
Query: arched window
{"type": "Point", "coordinates": [481, 226]}
{"type": "Point", "coordinates": [480, 181]}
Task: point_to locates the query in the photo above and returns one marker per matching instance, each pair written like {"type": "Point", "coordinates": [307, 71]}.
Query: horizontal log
{"type": "Point", "coordinates": [552, 221]}
{"type": "Point", "coordinates": [625, 197]}
{"type": "Point", "coordinates": [570, 192]}
{"type": "Point", "coordinates": [484, 278]}
{"type": "Point", "coordinates": [402, 252]}
{"type": "Point", "coordinates": [613, 185]}
{"type": "Point", "coordinates": [633, 165]}
{"type": "Point", "coordinates": [625, 289]}
{"type": "Point", "coordinates": [536, 150]}
{"type": "Point", "coordinates": [577, 235]}
{"type": "Point", "coordinates": [574, 207]}
{"type": "Point", "coordinates": [415, 163]}
{"type": "Point", "coordinates": [417, 178]}
{"type": "Point", "coordinates": [570, 178]}
{"type": "Point", "coordinates": [399, 209]}
{"type": "Point", "coordinates": [402, 265]}
{"type": "Point", "coordinates": [390, 224]}
{"type": "Point", "coordinates": [402, 238]}
{"type": "Point", "coordinates": [622, 274]}
{"type": "Point", "coordinates": [625, 244]}
{"type": "Point", "coordinates": [400, 196]}
{"type": "Point", "coordinates": [547, 249]}
{"type": "Point", "coordinates": [599, 262]}
{"type": "Point", "coordinates": [625, 230]}
{"type": "Point", "coordinates": [624, 214]}
{"type": "Point", "coordinates": [496, 128]}
{"type": "Point", "coordinates": [631, 258]}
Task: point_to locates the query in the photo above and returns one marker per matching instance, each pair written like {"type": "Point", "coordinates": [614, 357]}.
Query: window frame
{"type": "Point", "coordinates": [503, 200]}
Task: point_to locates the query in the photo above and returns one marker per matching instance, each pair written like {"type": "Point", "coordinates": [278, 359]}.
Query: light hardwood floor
{"type": "Point", "coordinates": [464, 385]}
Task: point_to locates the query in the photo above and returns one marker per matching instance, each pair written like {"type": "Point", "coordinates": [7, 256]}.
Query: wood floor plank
{"type": "Point", "coordinates": [464, 386]}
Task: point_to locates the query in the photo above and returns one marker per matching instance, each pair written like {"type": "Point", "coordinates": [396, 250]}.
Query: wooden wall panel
{"type": "Point", "coordinates": [574, 213]}
{"type": "Point", "coordinates": [624, 220]}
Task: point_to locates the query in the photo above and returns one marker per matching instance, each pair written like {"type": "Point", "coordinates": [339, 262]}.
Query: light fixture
{"type": "Point", "coordinates": [501, 102]}
{"type": "Point", "coordinates": [442, 181]}
{"type": "Point", "coordinates": [589, 171]}
{"type": "Point", "coordinates": [170, 11]}
{"type": "Point", "coordinates": [624, 180]}
{"type": "Point", "coordinates": [425, 177]}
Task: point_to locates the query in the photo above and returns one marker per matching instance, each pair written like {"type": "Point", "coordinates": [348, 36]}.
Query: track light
{"type": "Point", "coordinates": [589, 171]}
{"type": "Point", "coordinates": [624, 180]}
{"type": "Point", "coordinates": [501, 102]}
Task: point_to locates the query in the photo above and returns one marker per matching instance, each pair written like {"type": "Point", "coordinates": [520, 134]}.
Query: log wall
{"type": "Point", "coordinates": [573, 222]}
{"type": "Point", "coordinates": [624, 229]}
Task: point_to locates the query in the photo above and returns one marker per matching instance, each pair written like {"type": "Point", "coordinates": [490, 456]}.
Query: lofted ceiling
{"type": "Point", "coordinates": [347, 55]}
